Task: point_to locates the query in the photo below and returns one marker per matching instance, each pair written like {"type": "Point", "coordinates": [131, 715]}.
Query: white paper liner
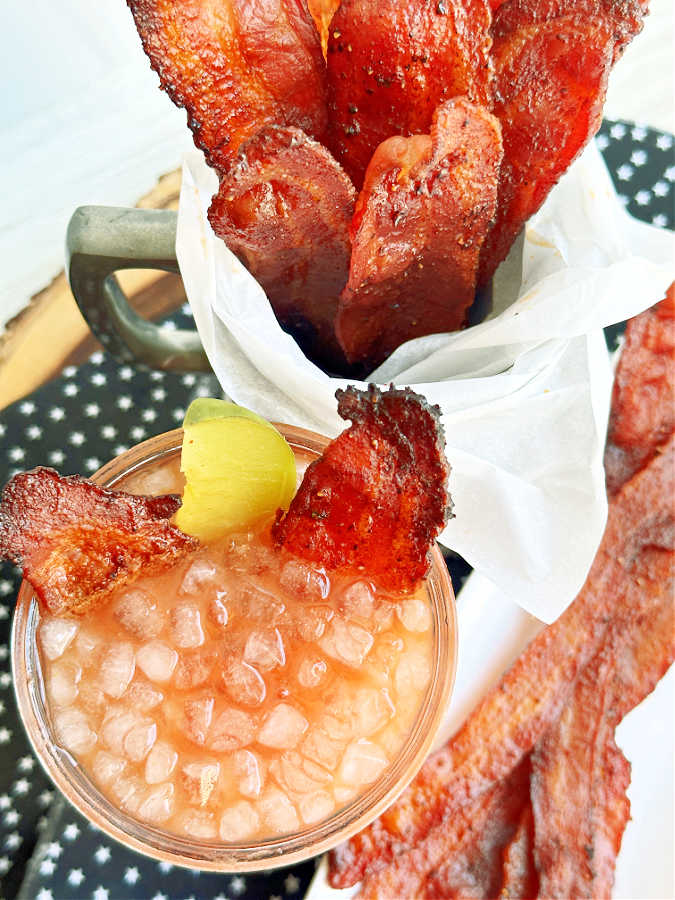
{"type": "Point", "coordinates": [524, 395]}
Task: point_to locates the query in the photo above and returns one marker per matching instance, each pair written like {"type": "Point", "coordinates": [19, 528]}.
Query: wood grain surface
{"type": "Point", "coordinates": [51, 332]}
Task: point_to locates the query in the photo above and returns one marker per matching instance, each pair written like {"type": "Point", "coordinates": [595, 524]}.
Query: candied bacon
{"type": "Point", "coordinates": [579, 775]}
{"type": "Point", "coordinates": [643, 399]}
{"type": "Point", "coordinates": [377, 497]}
{"type": "Point", "coordinates": [392, 62]}
{"type": "Point", "coordinates": [235, 65]}
{"type": "Point", "coordinates": [322, 12]}
{"type": "Point", "coordinates": [519, 877]}
{"type": "Point", "coordinates": [551, 64]}
{"type": "Point", "coordinates": [426, 206]}
{"type": "Point", "coordinates": [510, 720]}
{"type": "Point", "coordinates": [76, 541]}
{"type": "Point", "coordinates": [284, 209]}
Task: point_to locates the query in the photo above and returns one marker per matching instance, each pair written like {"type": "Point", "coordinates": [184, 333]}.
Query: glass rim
{"type": "Point", "coordinates": [161, 845]}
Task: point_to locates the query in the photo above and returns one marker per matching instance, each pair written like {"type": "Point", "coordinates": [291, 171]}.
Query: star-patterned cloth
{"type": "Point", "coordinates": [79, 421]}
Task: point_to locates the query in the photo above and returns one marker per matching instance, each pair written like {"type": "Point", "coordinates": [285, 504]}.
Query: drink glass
{"type": "Point", "coordinates": [212, 855]}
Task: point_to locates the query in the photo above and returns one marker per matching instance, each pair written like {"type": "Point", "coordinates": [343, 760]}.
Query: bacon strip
{"type": "Point", "coordinates": [235, 65]}
{"type": "Point", "coordinates": [551, 62]}
{"type": "Point", "coordinates": [532, 694]}
{"type": "Point", "coordinates": [376, 499]}
{"type": "Point", "coordinates": [643, 399]}
{"type": "Point", "coordinates": [519, 877]}
{"type": "Point", "coordinates": [392, 62]}
{"type": "Point", "coordinates": [420, 222]}
{"type": "Point", "coordinates": [76, 541]}
{"type": "Point", "coordinates": [285, 210]}
{"type": "Point", "coordinates": [454, 858]}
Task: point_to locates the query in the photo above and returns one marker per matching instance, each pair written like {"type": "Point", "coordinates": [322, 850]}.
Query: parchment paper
{"type": "Point", "coordinates": [524, 395]}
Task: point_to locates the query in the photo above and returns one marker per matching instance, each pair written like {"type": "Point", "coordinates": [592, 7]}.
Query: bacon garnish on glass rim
{"type": "Point", "coordinates": [426, 206]}
{"type": "Point", "coordinates": [76, 541]}
{"type": "Point", "coordinates": [285, 209]}
{"type": "Point", "coordinates": [235, 67]}
{"type": "Point", "coordinates": [391, 63]}
{"type": "Point", "coordinates": [377, 498]}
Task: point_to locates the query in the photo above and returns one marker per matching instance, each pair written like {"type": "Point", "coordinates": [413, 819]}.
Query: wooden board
{"type": "Point", "coordinates": [51, 332]}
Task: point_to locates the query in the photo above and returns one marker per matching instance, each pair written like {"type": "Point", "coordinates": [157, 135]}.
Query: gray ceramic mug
{"type": "Point", "coordinates": [102, 240]}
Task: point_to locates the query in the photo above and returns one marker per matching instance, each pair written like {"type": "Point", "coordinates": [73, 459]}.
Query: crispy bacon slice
{"type": "Point", "coordinates": [643, 400]}
{"type": "Point", "coordinates": [235, 65]}
{"type": "Point", "coordinates": [447, 863]}
{"type": "Point", "coordinates": [519, 876]}
{"type": "Point", "coordinates": [376, 499]}
{"type": "Point", "coordinates": [551, 64]}
{"type": "Point", "coordinates": [531, 695]}
{"type": "Point", "coordinates": [76, 541]}
{"type": "Point", "coordinates": [392, 62]}
{"type": "Point", "coordinates": [285, 210]}
{"type": "Point", "coordinates": [579, 775]}
{"type": "Point", "coordinates": [426, 206]}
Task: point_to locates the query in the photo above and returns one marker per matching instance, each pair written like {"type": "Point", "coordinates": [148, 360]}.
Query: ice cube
{"type": "Point", "coordinates": [117, 668]}
{"type": "Point", "coordinates": [139, 740]}
{"type": "Point", "coordinates": [204, 575]}
{"type": "Point", "coordinates": [231, 730]}
{"type": "Point", "coordinates": [372, 710]}
{"type": "Point", "coordinates": [315, 807]}
{"type": "Point", "coordinates": [239, 822]}
{"type": "Point", "coordinates": [311, 671]}
{"type": "Point", "coordinates": [73, 731]}
{"type": "Point", "coordinates": [55, 635]}
{"type": "Point", "coordinates": [248, 770]}
{"type": "Point", "coordinates": [88, 645]}
{"type": "Point", "coordinates": [137, 613]}
{"type": "Point", "coordinates": [414, 614]}
{"type": "Point", "coordinates": [253, 603]}
{"type": "Point", "coordinates": [197, 715]}
{"type": "Point", "coordinates": [298, 775]}
{"type": "Point", "coordinates": [265, 649]}
{"type": "Point", "coordinates": [283, 727]}
{"type": "Point", "coordinates": [142, 695]}
{"type": "Point", "coordinates": [277, 811]}
{"type": "Point", "coordinates": [347, 642]}
{"type": "Point", "coordinates": [62, 681]}
{"type": "Point", "coordinates": [217, 610]}
{"type": "Point", "coordinates": [157, 661]}
{"type": "Point", "coordinates": [92, 699]}
{"type": "Point", "coordinates": [308, 583]}
{"type": "Point", "coordinates": [412, 673]}
{"type": "Point", "coordinates": [186, 626]}
{"type": "Point", "coordinates": [322, 749]}
{"type": "Point", "coordinates": [199, 779]}
{"type": "Point", "coordinates": [198, 824]}
{"type": "Point", "coordinates": [158, 804]}
{"type": "Point", "coordinates": [358, 601]}
{"type": "Point", "coordinates": [245, 554]}
{"type": "Point", "coordinates": [107, 767]}
{"type": "Point", "coordinates": [194, 668]}
{"type": "Point", "coordinates": [160, 762]}
{"type": "Point", "coordinates": [362, 763]}
{"type": "Point", "coordinates": [129, 792]}
{"type": "Point", "coordinates": [243, 683]}
{"type": "Point", "coordinates": [119, 720]}
{"type": "Point", "coordinates": [153, 480]}
{"type": "Point", "coordinates": [311, 622]}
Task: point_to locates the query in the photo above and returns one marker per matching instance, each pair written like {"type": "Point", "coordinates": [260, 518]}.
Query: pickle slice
{"type": "Point", "coordinates": [238, 469]}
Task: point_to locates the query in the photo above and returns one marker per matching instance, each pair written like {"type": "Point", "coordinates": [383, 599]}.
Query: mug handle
{"type": "Point", "coordinates": [100, 241]}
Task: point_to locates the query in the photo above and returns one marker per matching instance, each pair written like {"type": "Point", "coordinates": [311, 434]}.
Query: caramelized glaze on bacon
{"type": "Point", "coordinates": [392, 62]}
{"type": "Point", "coordinates": [235, 65]}
{"type": "Point", "coordinates": [76, 541]}
{"type": "Point", "coordinates": [551, 65]}
{"type": "Point", "coordinates": [420, 222]}
{"type": "Point", "coordinates": [284, 209]}
{"type": "Point", "coordinates": [643, 400]}
{"type": "Point", "coordinates": [377, 498]}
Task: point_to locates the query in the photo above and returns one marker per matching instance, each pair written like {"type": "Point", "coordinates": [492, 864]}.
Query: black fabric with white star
{"type": "Point", "coordinates": [79, 421]}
